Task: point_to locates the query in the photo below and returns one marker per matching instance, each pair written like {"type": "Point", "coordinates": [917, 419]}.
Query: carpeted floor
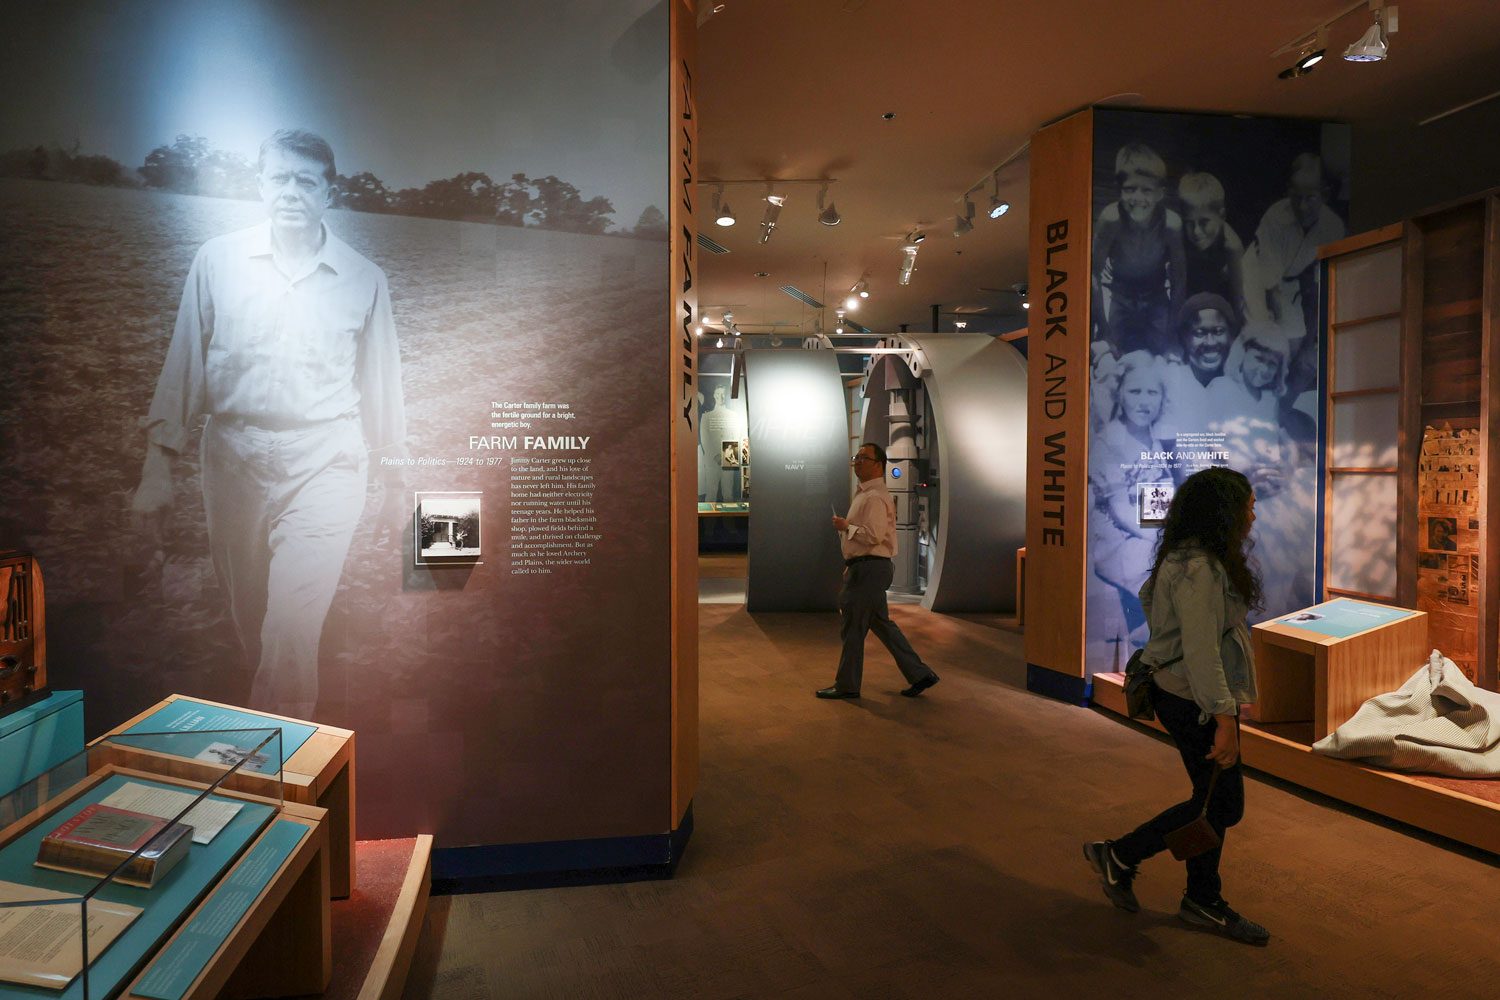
{"type": "Point", "coordinates": [925, 848]}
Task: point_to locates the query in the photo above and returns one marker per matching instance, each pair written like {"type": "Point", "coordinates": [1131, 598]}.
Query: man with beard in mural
{"type": "Point", "coordinates": [286, 342]}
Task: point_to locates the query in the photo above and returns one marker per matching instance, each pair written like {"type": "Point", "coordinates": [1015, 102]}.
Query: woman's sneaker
{"type": "Point", "coordinates": [1115, 877]}
{"type": "Point", "coordinates": [1219, 918]}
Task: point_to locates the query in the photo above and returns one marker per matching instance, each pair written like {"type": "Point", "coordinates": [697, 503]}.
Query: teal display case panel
{"type": "Point", "coordinates": [187, 716]}
{"type": "Point", "coordinates": [163, 905]}
{"type": "Point", "coordinates": [174, 970]}
{"type": "Point", "coordinates": [1342, 618]}
{"type": "Point", "coordinates": [39, 737]}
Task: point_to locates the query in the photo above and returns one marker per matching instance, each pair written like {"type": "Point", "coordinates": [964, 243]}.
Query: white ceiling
{"type": "Point", "coordinates": [797, 88]}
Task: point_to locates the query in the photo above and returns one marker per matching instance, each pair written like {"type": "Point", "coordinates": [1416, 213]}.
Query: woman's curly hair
{"type": "Point", "coordinates": [1208, 512]}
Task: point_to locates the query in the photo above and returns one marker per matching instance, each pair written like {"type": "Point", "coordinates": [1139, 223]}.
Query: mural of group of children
{"type": "Point", "coordinates": [1204, 345]}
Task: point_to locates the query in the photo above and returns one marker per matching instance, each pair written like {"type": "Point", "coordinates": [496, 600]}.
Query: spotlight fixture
{"type": "Point", "coordinates": [719, 342]}
{"type": "Point", "coordinates": [862, 288]}
{"type": "Point", "coordinates": [915, 236]}
{"type": "Point", "coordinates": [998, 205]}
{"type": "Point", "coordinates": [1371, 46]}
{"type": "Point", "coordinates": [964, 224]}
{"type": "Point", "coordinates": [1020, 289]}
{"type": "Point", "coordinates": [908, 264]}
{"type": "Point", "coordinates": [723, 216]}
{"type": "Point", "coordinates": [960, 324]}
{"type": "Point", "coordinates": [772, 213]}
{"type": "Point", "coordinates": [1308, 56]}
{"type": "Point", "coordinates": [700, 329]}
{"type": "Point", "coordinates": [851, 303]}
{"type": "Point", "coordinates": [828, 216]}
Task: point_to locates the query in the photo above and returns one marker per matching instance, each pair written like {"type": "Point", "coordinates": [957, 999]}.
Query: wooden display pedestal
{"type": "Point", "coordinates": [282, 947]}
{"type": "Point", "coordinates": [1306, 676]}
{"type": "Point", "coordinates": [319, 773]}
{"type": "Point", "coordinates": [1312, 683]}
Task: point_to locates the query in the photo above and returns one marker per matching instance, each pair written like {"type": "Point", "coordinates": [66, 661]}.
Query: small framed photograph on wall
{"type": "Point", "coordinates": [1154, 499]}
{"type": "Point", "coordinates": [447, 528]}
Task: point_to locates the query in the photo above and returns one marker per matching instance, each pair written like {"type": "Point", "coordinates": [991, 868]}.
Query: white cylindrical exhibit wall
{"type": "Point", "coordinates": [977, 387]}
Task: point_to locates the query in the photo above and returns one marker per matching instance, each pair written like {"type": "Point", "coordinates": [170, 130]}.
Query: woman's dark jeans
{"type": "Point", "coordinates": [1194, 739]}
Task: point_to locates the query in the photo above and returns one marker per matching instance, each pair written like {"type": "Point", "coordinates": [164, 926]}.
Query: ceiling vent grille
{"type": "Point", "coordinates": [801, 296]}
{"type": "Point", "coordinates": [710, 245]}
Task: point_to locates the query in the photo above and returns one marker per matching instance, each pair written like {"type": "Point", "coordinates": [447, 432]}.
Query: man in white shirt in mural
{"type": "Point", "coordinates": [286, 342]}
{"type": "Point", "coordinates": [868, 540]}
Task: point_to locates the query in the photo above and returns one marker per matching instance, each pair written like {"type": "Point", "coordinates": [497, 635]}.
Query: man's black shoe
{"type": "Point", "coordinates": [1220, 919]}
{"type": "Point", "coordinates": [1116, 878]}
{"type": "Point", "coordinates": [920, 686]}
{"type": "Point", "coordinates": [835, 693]}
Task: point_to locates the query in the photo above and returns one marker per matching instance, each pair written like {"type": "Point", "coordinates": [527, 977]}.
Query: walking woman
{"type": "Point", "coordinates": [1196, 599]}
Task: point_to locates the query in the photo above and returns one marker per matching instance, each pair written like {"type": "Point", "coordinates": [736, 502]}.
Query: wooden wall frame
{"type": "Point", "coordinates": [1449, 371]}
{"type": "Point", "coordinates": [1334, 255]}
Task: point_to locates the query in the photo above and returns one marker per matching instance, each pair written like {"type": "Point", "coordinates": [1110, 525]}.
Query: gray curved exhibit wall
{"type": "Point", "coordinates": [977, 388]}
{"type": "Point", "coordinates": [799, 441]}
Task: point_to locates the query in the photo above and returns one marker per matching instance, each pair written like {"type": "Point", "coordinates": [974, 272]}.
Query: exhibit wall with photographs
{"type": "Point", "coordinates": [1203, 341]}
{"type": "Point", "coordinates": [723, 434]}
{"type": "Point", "coordinates": [411, 263]}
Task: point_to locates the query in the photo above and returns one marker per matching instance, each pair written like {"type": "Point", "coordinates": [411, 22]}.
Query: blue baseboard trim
{"type": "Point", "coordinates": [549, 864]}
{"type": "Point", "coordinates": [1074, 690]}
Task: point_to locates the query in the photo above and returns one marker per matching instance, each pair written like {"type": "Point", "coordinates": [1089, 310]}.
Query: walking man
{"type": "Point", "coordinates": [868, 539]}
{"type": "Point", "coordinates": [285, 341]}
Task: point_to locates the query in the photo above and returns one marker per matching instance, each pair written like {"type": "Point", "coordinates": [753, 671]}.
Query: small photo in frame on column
{"type": "Point", "coordinates": [447, 526]}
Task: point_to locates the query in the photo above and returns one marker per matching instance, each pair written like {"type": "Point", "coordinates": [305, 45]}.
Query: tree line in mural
{"type": "Point", "coordinates": [191, 166]}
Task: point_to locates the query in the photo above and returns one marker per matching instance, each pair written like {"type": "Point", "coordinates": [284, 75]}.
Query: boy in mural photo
{"type": "Point", "coordinates": [1139, 260]}
{"type": "Point", "coordinates": [1214, 251]}
{"type": "Point", "coordinates": [1281, 274]}
{"type": "Point", "coordinates": [286, 342]}
{"type": "Point", "coordinates": [1246, 400]}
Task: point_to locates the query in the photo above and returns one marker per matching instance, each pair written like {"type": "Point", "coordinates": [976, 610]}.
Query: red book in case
{"type": "Point", "coordinates": [98, 837]}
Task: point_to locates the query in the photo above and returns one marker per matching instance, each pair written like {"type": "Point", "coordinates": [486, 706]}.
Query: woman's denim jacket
{"type": "Point", "coordinates": [1192, 607]}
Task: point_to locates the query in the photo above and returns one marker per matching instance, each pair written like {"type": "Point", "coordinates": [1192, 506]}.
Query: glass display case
{"type": "Point", "coordinates": [100, 861]}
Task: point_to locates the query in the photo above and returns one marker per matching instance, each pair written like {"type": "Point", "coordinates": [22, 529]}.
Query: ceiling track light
{"type": "Point", "coordinates": [772, 213]}
{"type": "Point", "coordinates": [998, 205]}
{"type": "Point", "coordinates": [829, 216]}
{"type": "Point", "coordinates": [1310, 48]}
{"type": "Point", "coordinates": [908, 264]}
{"type": "Point", "coordinates": [1308, 56]}
{"type": "Point", "coordinates": [964, 224]}
{"type": "Point", "coordinates": [861, 288]}
{"type": "Point", "coordinates": [1371, 46]}
{"type": "Point", "coordinates": [723, 215]}
{"type": "Point", "coordinates": [915, 236]}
